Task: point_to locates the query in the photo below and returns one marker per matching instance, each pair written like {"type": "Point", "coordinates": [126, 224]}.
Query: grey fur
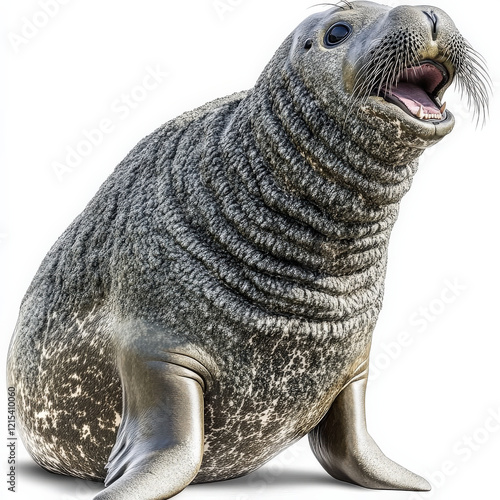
{"type": "Point", "coordinates": [249, 235]}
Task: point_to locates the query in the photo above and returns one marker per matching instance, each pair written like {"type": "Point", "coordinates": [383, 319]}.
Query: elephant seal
{"type": "Point", "coordinates": [215, 301]}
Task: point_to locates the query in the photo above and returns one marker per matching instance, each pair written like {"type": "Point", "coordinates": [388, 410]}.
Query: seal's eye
{"type": "Point", "coordinates": [337, 34]}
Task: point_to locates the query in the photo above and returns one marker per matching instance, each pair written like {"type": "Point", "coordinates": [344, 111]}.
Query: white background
{"type": "Point", "coordinates": [431, 393]}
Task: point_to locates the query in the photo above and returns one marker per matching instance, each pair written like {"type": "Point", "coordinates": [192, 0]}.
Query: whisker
{"type": "Point", "coordinates": [387, 62]}
{"type": "Point", "coordinates": [341, 5]}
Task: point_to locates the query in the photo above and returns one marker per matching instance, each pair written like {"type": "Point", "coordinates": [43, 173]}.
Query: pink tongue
{"type": "Point", "coordinates": [413, 97]}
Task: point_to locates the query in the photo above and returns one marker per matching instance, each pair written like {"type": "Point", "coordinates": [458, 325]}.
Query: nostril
{"type": "Point", "coordinates": [434, 20]}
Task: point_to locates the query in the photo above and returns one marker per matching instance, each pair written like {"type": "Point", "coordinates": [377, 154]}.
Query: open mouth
{"type": "Point", "coordinates": [417, 89]}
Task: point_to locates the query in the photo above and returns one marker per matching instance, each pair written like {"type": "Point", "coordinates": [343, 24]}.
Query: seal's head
{"type": "Point", "coordinates": [388, 69]}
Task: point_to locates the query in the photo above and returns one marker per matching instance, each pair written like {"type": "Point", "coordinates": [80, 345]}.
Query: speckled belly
{"type": "Point", "coordinates": [259, 408]}
{"type": "Point", "coordinates": [272, 387]}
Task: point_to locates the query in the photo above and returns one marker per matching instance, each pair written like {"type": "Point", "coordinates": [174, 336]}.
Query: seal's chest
{"type": "Point", "coordinates": [292, 375]}
{"type": "Point", "coordinates": [270, 398]}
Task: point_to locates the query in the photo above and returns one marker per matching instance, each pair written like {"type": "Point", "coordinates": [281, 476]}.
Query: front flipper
{"type": "Point", "coordinates": [347, 452]}
{"type": "Point", "coordinates": [159, 446]}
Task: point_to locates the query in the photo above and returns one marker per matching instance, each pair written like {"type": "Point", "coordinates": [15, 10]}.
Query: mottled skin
{"type": "Point", "coordinates": [237, 255]}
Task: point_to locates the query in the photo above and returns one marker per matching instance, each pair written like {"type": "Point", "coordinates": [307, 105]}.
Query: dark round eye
{"type": "Point", "coordinates": [337, 34]}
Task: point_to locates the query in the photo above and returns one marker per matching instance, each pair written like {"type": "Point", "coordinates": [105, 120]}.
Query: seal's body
{"type": "Point", "coordinates": [216, 299]}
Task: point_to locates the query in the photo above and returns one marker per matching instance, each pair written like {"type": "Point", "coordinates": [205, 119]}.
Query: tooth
{"type": "Point", "coordinates": [443, 107]}
{"type": "Point", "coordinates": [420, 112]}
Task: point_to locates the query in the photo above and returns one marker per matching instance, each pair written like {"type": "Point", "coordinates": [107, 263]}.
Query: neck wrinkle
{"type": "Point", "coordinates": [291, 203]}
{"type": "Point", "coordinates": [345, 140]}
{"type": "Point", "coordinates": [333, 151]}
{"type": "Point", "coordinates": [279, 143]}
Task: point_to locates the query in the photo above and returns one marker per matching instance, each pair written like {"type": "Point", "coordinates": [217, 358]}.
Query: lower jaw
{"type": "Point", "coordinates": [425, 132]}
